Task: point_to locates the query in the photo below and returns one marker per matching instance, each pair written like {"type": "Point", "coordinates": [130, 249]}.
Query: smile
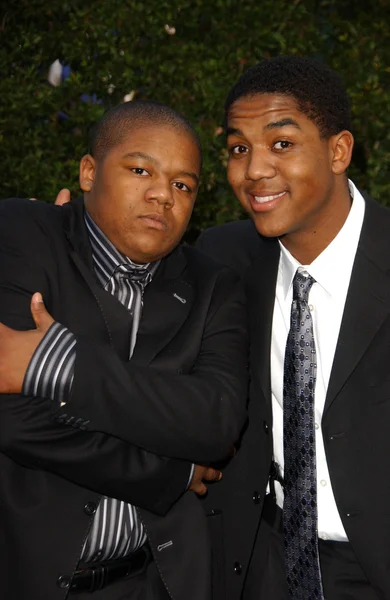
{"type": "Point", "coordinates": [262, 199]}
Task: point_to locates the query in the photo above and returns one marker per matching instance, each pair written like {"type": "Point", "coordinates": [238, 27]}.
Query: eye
{"type": "Point", "coordinates": [282, 145]}
{"type": "Point", "coordinates": [238, 149]}
{"type": "Point", "coordinates": [182, 186]}
{"type": "Point", "coordinates": [140, 171]}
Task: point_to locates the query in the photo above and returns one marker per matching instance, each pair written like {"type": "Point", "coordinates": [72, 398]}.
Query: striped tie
{"type": "Point", "coordinates": [116, 528]}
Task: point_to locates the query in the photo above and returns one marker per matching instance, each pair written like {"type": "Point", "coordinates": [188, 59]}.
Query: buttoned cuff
{"type": "Point", "coordinates": [191, 476]}
{"type": "Point", "coordinates": [51, 369]}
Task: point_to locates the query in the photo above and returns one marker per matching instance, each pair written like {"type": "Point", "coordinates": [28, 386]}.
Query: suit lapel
{"type": "Point", "coordinates": [368, 300]}
{"type": "Point", "coordinates": [115, 319]}
{"type": "Point", "coordinates": [261, 282]}
{"type": "Point", "coordinates": [167, 303]}
{"type": "Point", "coordinates": [108, 320]}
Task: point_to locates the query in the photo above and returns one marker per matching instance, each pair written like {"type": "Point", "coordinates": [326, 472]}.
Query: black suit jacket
{"type": "Point", "coordinates": [131, 429]}
{"type": "Point", "coordinates": [356, 418]}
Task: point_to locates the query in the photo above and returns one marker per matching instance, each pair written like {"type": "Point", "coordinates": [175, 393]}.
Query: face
{"type": "Point", "coordinates": [142, 192]}
{"type": "Point", "coordinates": [290, 180]}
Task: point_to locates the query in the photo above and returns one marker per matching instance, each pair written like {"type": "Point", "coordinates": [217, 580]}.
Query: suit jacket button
{"type": "Point", "coordinates": [266, 427]}
{"type": "Point", "coordinates": [237, 568]}
{"type": "Point", "coordinates": [90, 508]}
{"type": "Point", "coordinates": [256, 497]}
{"type": "Point", "coordinates": [63, 582]}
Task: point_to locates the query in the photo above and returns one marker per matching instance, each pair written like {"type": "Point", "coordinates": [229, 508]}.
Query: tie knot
{"type": "Point", "coordinates": [301, 286]}
{"type": "Point", "coordinates": [141, 275]}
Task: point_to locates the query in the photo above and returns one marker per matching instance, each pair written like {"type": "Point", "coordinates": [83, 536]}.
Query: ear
{"type": "Point", "coordinates": [87, 172]}
{"type": "Point", "coordinates": [342, 145]}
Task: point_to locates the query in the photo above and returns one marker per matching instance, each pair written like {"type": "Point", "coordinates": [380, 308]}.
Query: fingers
{"type": "Point", "coordinates": [202, 473]}
{"type": "Point", "coordinates": [63, 197]}
{"type": "Point", "coordinates": [212, 474]}
{"type": "Point", "coordinates": [200, 489]}
{"type": "Point", "coordinates": [39, 313]}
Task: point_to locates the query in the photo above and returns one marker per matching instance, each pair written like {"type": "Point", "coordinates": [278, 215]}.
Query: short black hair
{"type": "Point", "coordinates": [318, 90]}
{"type": "Point", "coordinates": [119, 120]}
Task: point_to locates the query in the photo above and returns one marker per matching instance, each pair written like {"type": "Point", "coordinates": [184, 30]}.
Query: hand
{"type": "Point", "coordinates": [18, 347]}
{"type": "Point", "coordinates": [203, 473]}
{"type": "Point", "coordinates": [62, 198]}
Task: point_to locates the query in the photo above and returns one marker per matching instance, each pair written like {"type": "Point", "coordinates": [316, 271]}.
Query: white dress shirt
{"type": "Point", "coordinates": [332, 273]}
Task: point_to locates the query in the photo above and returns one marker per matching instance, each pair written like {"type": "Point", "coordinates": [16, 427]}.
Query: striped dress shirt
{"type": "Point", "coordinates": [116, 529]}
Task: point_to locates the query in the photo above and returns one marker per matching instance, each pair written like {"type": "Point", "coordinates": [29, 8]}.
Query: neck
{"type": "Point", "coordinates": [306, 245]}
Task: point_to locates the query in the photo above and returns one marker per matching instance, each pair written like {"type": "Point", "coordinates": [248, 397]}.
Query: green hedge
{"type": "Point", "coordinates": [187, 54]}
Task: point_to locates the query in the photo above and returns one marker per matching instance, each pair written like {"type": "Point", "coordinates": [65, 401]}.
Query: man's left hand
{"type": "Point", "coordinates": [18, 347]}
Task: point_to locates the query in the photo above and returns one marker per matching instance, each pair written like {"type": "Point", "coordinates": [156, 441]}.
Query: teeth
{"type": "Point", "coordinates": [262, 199]}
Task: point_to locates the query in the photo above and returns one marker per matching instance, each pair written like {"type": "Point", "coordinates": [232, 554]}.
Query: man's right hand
{"type": "Point", "coordinates": [201, 474]}
{"type": "Point", "coordinates": [63, 197]}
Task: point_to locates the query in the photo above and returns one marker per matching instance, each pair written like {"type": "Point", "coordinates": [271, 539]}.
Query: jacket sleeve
{"type": "Point", "coordinates": [195, 416]}
{"type": "Point", "coordinates": [92, 460]}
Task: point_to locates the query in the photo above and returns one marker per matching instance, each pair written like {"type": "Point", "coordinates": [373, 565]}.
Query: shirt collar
{"type": "Point", "coordinates": [332, 268]}
{"type": "Point", "coordinates": [106, 258]}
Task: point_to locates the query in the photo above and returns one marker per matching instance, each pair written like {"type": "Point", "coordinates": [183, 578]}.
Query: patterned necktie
{"type": "Point", "coordinates": [300, 479]}
{"type": "Point", "coordinates": [132, 282]}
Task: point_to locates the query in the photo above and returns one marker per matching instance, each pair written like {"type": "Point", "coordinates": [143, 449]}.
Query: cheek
{"type": "Point", "coordinates": [182, 215]}
{"type": "Point", "coordinates": [230, 173]}
{"type": "Point", "coordinates": [235, 176]}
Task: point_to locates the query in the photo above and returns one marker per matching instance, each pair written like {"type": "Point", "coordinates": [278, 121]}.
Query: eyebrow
{"type": "Point", "coordinates": [269, 126]}
{"type": "Point", "coordinates": [150, 158]}
{"type": "Point", "coordinates": [189, 174]}
{"type": "Point", "coordinates": [282, 123]}
{"type": "Point", "coordinates": [139, 155]}
{"type": "Point", "coordinates": [233, 131]}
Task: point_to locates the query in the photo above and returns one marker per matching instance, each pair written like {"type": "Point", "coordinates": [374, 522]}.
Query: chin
{"type": "Point", "coordinates": [268, 230]}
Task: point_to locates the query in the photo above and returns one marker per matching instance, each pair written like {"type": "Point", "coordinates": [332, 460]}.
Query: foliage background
{"type": "Point", "coordinates": [187, 54]}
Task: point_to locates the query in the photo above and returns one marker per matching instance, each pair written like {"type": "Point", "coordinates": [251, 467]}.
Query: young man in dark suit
{"type": "Point", "coordinates": [97, 450]}
{"type": "Point", "coordinates": [306, 499]}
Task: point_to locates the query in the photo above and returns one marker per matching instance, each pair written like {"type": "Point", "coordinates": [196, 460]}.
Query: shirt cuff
{"type": "Point", "coordinates": [191, 476]}
{"type": "Point", "coordinates": [51, 369]}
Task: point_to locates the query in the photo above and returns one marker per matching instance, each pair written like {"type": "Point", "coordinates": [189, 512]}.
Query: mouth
{"type": "Point", "coordinates": [264, 202]}
{"type": "Point", "coordinates": [154, 221]}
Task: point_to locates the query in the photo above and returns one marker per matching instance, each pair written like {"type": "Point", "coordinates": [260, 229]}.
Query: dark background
{"type": "Point", "coordinates": [186, 54]}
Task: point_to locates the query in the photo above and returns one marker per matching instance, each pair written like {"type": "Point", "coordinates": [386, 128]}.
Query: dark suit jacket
{"type": "Point", "coordinates": [131, 429]}
{"type": "Point", "coordinates": [356, 418]}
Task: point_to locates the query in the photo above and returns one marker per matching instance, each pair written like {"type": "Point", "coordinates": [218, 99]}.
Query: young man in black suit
{"type": "Point", "coordinates": [97, 450]}
{"type": "Point", "coordinates": [315, 261]}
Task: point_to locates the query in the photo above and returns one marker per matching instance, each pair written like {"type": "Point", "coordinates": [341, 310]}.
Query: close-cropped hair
{"type": "Point", "coordinates": [120, 120]}
{"type": "Point", "coordinates": [318, 91]}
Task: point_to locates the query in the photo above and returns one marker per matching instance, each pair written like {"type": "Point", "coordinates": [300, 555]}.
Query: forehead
{"type": "Point", "coordinates": [161, 142]}
{"type": "Point", "coordinates": [263, 109]}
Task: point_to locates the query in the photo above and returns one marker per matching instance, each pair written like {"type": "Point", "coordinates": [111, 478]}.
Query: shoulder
{"type": "Point", "coordinates": [235, 230]}
{"type": "Point", "coordinates": [204, 266]}
{"type": "Point", "coordinates": [235, 244]}
{"type": "Point", "coordinates": [28, 213]}
{"type": "Point", "coordinates": [29, 228]}
{"type": "Point", "coordinates": [375, 234]}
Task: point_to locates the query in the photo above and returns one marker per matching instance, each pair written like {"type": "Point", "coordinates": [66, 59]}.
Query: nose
{"type": "Point", "coordinates": [161, 192]}
{"type": "Point", "coordinates": [260, 165]}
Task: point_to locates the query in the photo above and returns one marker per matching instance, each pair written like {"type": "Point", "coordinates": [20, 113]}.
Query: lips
{"type": "Point", "coordinates": [154, 221]}
{"type": "Point", "coordinates": [261, 199]}
{"type": "Point", "coordinates": [265, 201]}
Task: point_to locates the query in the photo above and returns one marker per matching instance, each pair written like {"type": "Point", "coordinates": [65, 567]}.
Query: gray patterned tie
{"type": "Point", "coordinates": [300, 478]}
{"type": "Point", "coordinates": [132, 283]}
